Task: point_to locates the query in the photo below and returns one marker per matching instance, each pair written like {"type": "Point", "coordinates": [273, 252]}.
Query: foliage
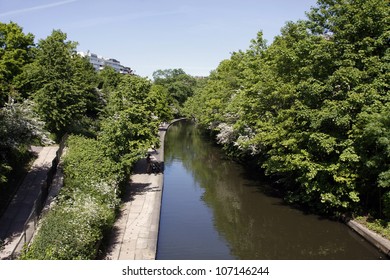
{"type": "Point", "coordinates": [19, 127]}
{"type": "Point", "coordinates": [108, 79]}
{"type": "Point", "coordinates": [128, 134]}
{"type": "Point", "coordinates": [160, 102]}
{"type": "Point", "coordinates": [131, 120]}
{"type": "Point", "coordinates": [68, 232]}
{"type": "Point", "coordinates": [86, 79]}
{"type": "Point", "coordinates": [120, 114]}
{"type": "Point", "coordinates": [62, 84]}
{"type": "Point", "coordinates": [59, 104]}
{"type": "Point", "coordinates": [95, 171]}
{"type": "Point", "coordinates": [87, 158]}
{"type": "Point", "coordinates": [313, 106]}
{"type": "Point", "coordinates": [379, 226]}
{"type": "Point", "coordinates": [180, 85]}
{"type": "Point", "coordinates": [386, 205]}
{"type": "Point", "coordinates": [15, 52]}
{"type": "Point", "coordinates": [131, 90]}
{"type": "Point", "coordinates": [85, 207]}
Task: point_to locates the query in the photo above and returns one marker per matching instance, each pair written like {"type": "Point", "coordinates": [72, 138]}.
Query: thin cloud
{"type": "Point", "coordinates": [36, 8]}
{"type": "Point", "coordinates": [92, 22]}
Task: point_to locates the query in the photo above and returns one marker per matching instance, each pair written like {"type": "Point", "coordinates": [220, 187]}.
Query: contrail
{"type": "Point", "coordinates": [36, 8]}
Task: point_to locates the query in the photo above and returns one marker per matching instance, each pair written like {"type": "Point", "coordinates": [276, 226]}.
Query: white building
{"type": "Point", "coordinates": [100, 62]}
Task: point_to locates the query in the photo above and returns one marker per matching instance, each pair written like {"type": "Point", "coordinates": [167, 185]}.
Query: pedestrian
{"type": "Point", "coordinates": [148, 163]}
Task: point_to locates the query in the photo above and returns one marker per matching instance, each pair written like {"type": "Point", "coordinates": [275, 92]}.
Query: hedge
{"type": "Point", "coordinates": [85, 207]}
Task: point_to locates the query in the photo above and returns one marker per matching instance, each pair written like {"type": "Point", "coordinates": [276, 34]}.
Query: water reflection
{"type": "Point", "coordinates": [212, 210]}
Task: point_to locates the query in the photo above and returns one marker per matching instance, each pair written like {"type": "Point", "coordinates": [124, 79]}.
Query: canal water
{"type": "Point", "coordinates": [212, 209]}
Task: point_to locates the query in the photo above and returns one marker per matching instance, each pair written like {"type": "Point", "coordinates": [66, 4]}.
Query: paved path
{"type": "Point", "coordinates": [14, 218]}
{"type": "Point", "coordinates": [135, 232]}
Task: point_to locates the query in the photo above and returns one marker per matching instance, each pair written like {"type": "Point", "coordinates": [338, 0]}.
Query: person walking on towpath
{"type": "Point", "coordinates": [148, 163]}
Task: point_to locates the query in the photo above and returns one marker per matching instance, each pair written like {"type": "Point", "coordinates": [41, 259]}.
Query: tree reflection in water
{"type": "Point", "coordinates": [212, 209]}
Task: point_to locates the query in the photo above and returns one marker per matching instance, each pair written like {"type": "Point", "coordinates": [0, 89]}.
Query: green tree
{"type": "Point", "coordinates": [15, 52]}
{"type": "Point", "coordinates": [208, 105]}
{"type": "Point", "coordinates": [86, 79]}
{"type": "Point", "coordinates": [108, 80]}
{"type": "Point", "coordinates": [160, 102]}
{"type": "Point", "coordinates": [57, 78]}
{"type": "Point", "coordinates": [128, 134]}
{"type": "Point", "coordinates": [129, 91]}
{"type": "Point", "coordinates": [312, 107]}
{"type": "Point", "coordinates": [129, 126]}
{"type": "Point", "coordinates": [179, 85]}
{"type": "Point", "coordinates": [19, 128]}
{"type": "Point", "coordinates": [359, 31]}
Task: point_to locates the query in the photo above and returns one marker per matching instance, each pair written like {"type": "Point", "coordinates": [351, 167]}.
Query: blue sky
{"type": "Point", "coordinates": [148, 35]}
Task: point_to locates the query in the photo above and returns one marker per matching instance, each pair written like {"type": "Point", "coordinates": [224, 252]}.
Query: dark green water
{"type": "Point", "coordinates": [212, 209]}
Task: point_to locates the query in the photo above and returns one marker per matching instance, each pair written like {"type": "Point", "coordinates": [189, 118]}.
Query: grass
{"type": "Point", "coordinates": [379, 226]}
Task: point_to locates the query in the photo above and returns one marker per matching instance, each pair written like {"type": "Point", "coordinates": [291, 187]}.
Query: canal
{"type": "Point", "coordinates": [213, 209]}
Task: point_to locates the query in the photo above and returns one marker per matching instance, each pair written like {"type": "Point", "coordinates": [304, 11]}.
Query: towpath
{"type": "Point", "coordinates": [13, 221]}
{"type": "Point", "coordinates": [135, 232]}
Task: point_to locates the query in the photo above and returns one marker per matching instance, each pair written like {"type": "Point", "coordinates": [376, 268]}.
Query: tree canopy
{"type": "Point", "coordinates": [179, 85]}
{"type": "Point", "coordinates": [312, 107]}
{"type": "Point", "coordinates": [112, 119]}
{"type": "Point", "coordinates": [15, 52]}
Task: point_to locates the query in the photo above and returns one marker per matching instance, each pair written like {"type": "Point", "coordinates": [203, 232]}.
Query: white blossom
{"type": "Point", "coordinates": [226, 133]}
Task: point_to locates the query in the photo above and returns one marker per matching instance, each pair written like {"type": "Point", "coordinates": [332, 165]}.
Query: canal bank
{"type": "Point", "coordinates": [135, 232]}
{"type": "Point", "coordinates": [213, 208]}
{"type": "Point", "coordinates": [383, 244]}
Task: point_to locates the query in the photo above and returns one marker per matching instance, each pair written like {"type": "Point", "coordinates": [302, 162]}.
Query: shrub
{"type": "Point", "coordinates": [19, 128]}
{"type": "Point", "coordinates": [70, 231]}
{"type": "Point", "coordinates": [87, 161]}
{"type": "Point", "coordinates": [85, 208]}
{"type": "Point", "coordinates": [386, 205]}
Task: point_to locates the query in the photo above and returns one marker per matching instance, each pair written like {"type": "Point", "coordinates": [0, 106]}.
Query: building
{"type": "Point", "coordinates": [100, 62]}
